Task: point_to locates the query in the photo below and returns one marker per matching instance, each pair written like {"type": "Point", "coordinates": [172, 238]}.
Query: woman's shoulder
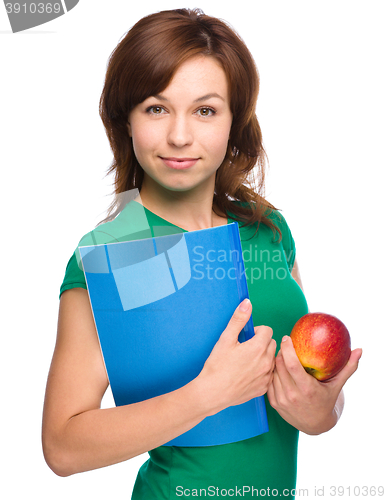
{"type": "Point", "coordinates": [280, 223]}
{"type": "Point", "coordinates": [273, 214]}
{"type": "Point", "coordinates": [130, 221]}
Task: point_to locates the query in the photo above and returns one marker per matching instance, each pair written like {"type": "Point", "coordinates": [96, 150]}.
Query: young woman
{"type": "Point", "coordinates": [178, 106]}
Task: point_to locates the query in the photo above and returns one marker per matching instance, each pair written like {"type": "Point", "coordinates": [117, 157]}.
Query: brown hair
{"type": "Point", "coordinates": [143, 64]}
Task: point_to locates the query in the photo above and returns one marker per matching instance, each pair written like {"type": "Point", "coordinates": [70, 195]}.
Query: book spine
{"type": "Point", "coordinates": [241, 280]}
{"type": "Point", "coordinates": [248, 331]}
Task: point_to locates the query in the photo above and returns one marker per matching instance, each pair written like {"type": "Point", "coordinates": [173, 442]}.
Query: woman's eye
{"type": "Point", "coordinates": [155, 110]}
{"type": "Point", "coordinates": [159, 110]}
{"type": "Point", "coordinates": [206, 111]}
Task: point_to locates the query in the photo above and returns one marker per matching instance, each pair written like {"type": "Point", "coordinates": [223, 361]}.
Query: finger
{"type": "Point", "coordinates": [272, 350]}
{"type": "Point", "coordinates": [237, 322]}
{"type": "Point", "coordinates": [277, 382]}
{"type": "Point", "coordinates": [263, 335]}
{"type": "Point", "coordinates": [271, 355]}
{"type": "Point", "coordinates": [291, 361]}
{"type": "Point", "coordinates": [276, 391]}
{"type": "Point", "coordinates": [271, 394]}
{"type": "Point", "coordinates": [347, 371]}
{"type": "Point", "coordinates": [284, 377]}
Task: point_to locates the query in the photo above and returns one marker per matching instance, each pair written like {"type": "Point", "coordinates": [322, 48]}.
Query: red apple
{"type": "Point", "coordinates": [322, 344]}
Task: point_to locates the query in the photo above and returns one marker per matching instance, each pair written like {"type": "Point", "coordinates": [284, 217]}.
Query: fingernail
{"type": "Point", "coordinates": [284, 338]}
{"type": "Point", "coordinates": [244, 306]}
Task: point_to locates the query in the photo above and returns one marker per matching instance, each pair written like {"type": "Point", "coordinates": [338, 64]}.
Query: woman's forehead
{"type": "Point", "coordinates": [201, 72]}
{"type": "Point", "coordinates": [199, 78]}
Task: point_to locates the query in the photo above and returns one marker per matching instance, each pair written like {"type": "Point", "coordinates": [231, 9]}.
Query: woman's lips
{"type": "Point", "coordinates": [179, 163]}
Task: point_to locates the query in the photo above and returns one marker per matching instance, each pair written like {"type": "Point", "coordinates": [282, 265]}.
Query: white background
{"type": "Point", "coordinates": [322, 112]}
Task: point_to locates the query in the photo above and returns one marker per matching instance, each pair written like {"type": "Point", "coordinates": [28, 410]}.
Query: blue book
{"type": "Point", "coordinates": [160, 304]}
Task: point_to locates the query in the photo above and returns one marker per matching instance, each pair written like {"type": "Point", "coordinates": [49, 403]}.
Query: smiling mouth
{"type": "Point", "coordinates": [179, 163]}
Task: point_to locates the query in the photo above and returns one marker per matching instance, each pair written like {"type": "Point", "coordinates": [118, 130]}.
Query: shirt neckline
{"type": "Point", "coordinates": [229, 221]}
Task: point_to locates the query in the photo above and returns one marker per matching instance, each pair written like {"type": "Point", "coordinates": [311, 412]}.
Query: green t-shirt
{"type": "Point", "coordinates": [265, 464]}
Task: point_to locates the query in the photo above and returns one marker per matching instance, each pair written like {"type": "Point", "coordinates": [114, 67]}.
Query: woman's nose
{"type": "Point", "coordinates": [180, 132]}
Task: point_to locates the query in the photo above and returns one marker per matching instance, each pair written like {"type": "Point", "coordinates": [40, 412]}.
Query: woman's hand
{"type": "Point", "coordinates": [237, 372]}
{"type": "Point", "coordinates": [302, 400]}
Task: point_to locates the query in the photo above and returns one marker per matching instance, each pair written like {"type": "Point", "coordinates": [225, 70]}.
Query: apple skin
{"type": "Point", "coordinates": [322, 344]}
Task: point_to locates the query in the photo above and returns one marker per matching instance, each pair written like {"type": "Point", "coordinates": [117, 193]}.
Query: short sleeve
{"type": "Point", "coordinates": [74, 276]}
{"type": "Point", "coordinates": [287, 240]}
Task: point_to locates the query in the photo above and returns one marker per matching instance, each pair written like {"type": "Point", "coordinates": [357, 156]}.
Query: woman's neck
{"type": "Point", "coordinates": [187, 212]}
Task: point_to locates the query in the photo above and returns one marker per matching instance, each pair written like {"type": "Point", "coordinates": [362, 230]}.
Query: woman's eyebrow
{"type": "Point", "coordinates": [209, 96]}
{"type": "Point", "coordinates": [160, 97]}
{"type": "Point", "coordinates": [203, 98]}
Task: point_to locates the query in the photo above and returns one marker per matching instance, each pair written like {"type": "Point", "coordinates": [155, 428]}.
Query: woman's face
{"type": "Point", "coordinates": [180, 136]}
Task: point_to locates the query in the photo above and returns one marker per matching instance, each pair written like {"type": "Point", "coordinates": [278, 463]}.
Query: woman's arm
{"type": "Point", "coordinates": [77, 435]}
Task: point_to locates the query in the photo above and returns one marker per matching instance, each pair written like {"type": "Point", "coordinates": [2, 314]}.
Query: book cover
{"type": "Point", "coordinates": [160, 304]}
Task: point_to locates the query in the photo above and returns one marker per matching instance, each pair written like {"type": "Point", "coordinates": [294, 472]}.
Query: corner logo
{"type": "Point", "coordinates": [25, 14]}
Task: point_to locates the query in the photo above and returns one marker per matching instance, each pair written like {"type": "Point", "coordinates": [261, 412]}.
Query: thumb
{"type": "Point", "coordinates": [237, 322]}
{"type": "Point", "coordinates": [350, 368]}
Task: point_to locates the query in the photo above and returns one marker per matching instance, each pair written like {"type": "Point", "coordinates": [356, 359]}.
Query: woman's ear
{"type": "Point", "coordinates": [129, 128]}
